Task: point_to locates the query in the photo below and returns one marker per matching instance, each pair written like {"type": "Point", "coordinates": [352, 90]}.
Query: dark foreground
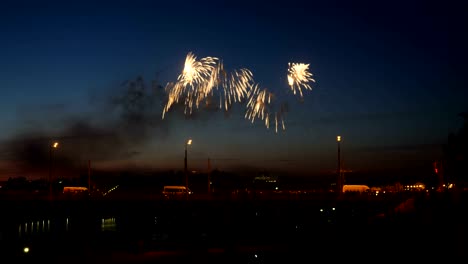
{"type": "Point", "coordinates": [414, 227]}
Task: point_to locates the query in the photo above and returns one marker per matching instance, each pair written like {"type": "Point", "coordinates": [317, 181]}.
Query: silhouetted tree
{"type": "Point", "coordinates": [455, 154]}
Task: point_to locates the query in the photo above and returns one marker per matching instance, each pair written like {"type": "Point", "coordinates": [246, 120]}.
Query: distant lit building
{"type": "Point", "coordinates": [266, 179]}
{"type": "Point", "coordinates": [415, 187]}
{"type": "Point", "coordinates": [266, 182]}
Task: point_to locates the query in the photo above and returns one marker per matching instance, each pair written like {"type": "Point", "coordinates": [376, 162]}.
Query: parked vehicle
{"type": "Point", "coordinates": [176, 192]}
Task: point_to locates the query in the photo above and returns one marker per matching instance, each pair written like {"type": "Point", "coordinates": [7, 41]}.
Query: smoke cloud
{"type": "Point", "coordinates": [124, 121]}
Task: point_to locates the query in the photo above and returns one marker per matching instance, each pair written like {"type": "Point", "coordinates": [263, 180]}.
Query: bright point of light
{"type": "Point", "coordinates": [25, 249]}
{"type": "Point", "coordinates": [55, 145]}
{"type": "Point", "coordinates": [321, 210]}
{"type": "Point", "coordinates": [333, 208]}
{"type": "Point", "coordinates": [189, 71]}
{"type": "Point", "coordinates": [338, 138]}
{"type": "Point", "coordinates": [290, 80]}
{"type": "Point", "coordinates": [276, 188]}
{"type": "Point", "coordinates": [255, 255]}
{"type": "Point", "coordinates": [189, 142]}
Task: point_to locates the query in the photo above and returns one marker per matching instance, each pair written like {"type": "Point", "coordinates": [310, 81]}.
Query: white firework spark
{"type": "Point", "coordinates": [299, 77]}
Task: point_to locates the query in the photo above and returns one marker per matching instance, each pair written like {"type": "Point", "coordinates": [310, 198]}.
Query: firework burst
{"type": "Point", "coordinates": [260, 105]}
{"type": "Point", "coordinates": [205, 79]}
{"type": "Point", "coordinates": [193, 84]}
{"type": "Point", "coordinates": [299, 77]}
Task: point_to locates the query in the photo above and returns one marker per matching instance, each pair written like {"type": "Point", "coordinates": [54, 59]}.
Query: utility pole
{"type": "Point", "coordinates": [340, 180]}
{"type": "Point", "coordinates": [209, 176]}
{"type": "Point", "coordinates": [185, 168]}
{"type": "Point", "coordinates": [89, 175]}
{"type": "Point", "coordinates": [50, 171]}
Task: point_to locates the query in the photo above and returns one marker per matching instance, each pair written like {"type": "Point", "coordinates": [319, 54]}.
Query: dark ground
{"type": "Point", "coordinates": [288, 230]}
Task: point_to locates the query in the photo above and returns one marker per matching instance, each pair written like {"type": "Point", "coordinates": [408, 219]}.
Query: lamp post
{"type": "Point", "coordinates": [340, 180]}
{"type": "Point", "coordinates": [189, 142]}
{"type": "Point", "coordinates": [52, 146]}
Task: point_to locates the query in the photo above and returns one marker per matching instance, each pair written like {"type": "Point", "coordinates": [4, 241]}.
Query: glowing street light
{"type": "Point", "coordinates": [189, 142]}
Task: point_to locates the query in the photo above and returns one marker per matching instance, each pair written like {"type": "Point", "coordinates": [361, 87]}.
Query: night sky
{"type": "Point", "coordinates": [390, 79]}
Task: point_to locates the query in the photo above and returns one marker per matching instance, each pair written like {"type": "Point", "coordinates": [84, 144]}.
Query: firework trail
{"type": "Point", "coordinates": [260, 105]}
{"type": "Point", "coordinates": [192, 84]}
{"type": "Point", "coordinates": [299, 77]}
{"type": "Point", "coordinates": [200, 79]}
{"type": "Point", "coordinates": [206, 78]}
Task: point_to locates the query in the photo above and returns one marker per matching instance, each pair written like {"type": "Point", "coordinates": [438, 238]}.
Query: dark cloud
{"type": "Point", "coordinates": [371, 116]}
{"type": "Point", "coordinates": [128, 120]}
{"type": "Point", "coordinates": [42, 108]}
{"type": "Point", "coordinates": [401, 148]}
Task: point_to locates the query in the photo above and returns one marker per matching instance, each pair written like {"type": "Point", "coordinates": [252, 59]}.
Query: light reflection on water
{"type": "Point", "coordinates": [108, 224]}
{"type": "Point", "coordinates": [45, 226]}
{"type": "Point", "coordinates": [33, 227]}
{"type": "Point", "coordinates": [161, 227]}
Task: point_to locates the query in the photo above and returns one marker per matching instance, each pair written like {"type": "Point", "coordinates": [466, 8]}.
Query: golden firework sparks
{"type": "Point", "coordinates": [258, 105]}
{"type": "Point", "coordinates": [204, 79]}
{"type": "Point", "coordinates": [193, 84]}
{"type": "Point", "coordinates": [299, 77]}
{"type": "Point", "coordinates": [200, 78]}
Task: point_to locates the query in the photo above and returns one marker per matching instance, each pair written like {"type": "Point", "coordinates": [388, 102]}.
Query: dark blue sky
{"type": "Point", "coordinates": [390, 79]}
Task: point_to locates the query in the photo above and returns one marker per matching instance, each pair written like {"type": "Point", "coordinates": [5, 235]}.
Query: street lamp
{"type": "Point", "coordinates": [52, 146]}
{"type": "Point", "coordinates": [189, 142]}
{"type": "Point", "coordinates": [340, 180]}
